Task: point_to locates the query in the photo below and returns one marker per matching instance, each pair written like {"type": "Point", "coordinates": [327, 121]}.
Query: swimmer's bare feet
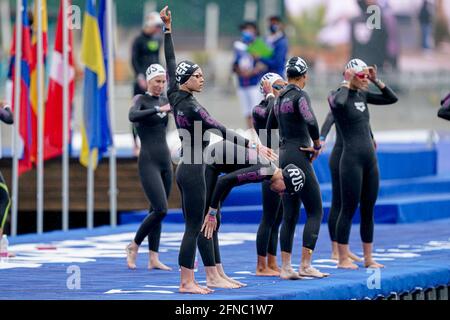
{"type": "Point", "coordinates": [267, 272]}
{"type": "Point", "coordinates": [310, 271]}
{"type": "Point", "coordinates": [272, 263]}
{"type": "Point", "coordinates": [221, 271]}
{"type": "Point", "coordinates": [354, 257]}
{"type": "Point", "coordinates": [154, 262]}
{"type": "Point", "coordinates": [347, 264]}
{"type": "Point", "coordinates": [194, 288]}
{"type": "Point", "coordinates": [373, 264]}
{"type": "Point", "coordinates": [263, 270]}
{"type": "Point", "coordinates": [215, 280]}
{"type": "Point", "coordinates": [132, 251]}
{"type": "Point", "coordinates": [287, 273]}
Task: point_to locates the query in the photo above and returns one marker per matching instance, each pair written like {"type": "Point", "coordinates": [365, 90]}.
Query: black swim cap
{"type": "Point", "coordinates": [296, 67]}
{"type": "Point", "coordinates": [184, 71]}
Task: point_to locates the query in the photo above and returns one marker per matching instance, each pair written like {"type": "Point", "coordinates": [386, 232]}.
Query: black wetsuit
{"type": "Point", "coordinates": [297, 124]}
{"type": "Point", "coordinates": [240, 166]}
{"type": "Point", "coordinates": [5, 202]}
{"type": "Point", "coordinates": [267, 235]}
{"type": "Point", "coordinates": [358, 168]}
{"type": "Point", "coordinates": [155, 166]}
{"type": "Point", "coordinates": [192, 121]}
{"type": "Point", "coordinates": [335, 158]}
{"type": "Point", "coordinates": [444, 111]}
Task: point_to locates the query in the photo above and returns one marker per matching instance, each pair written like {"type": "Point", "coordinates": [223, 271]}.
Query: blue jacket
{"type": "Point", "coordinates": [277, 62]}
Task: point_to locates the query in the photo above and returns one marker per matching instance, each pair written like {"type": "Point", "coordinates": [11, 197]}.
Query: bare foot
{"type": "Point", "coordinates": [131, 256]}
{"type": "Point", "coordinates": [354, 257]}
{"type": "Point", "coordinates": [347, 264]}
{"type": "Point", "coordinates": [220, 282]}
{"type": "Point", "coordinates": [272, 263]}
{"type": "Point", "coordinates": [267, 272]}
{"type": "Point", "coordinates": [373, 264]}
{"type": "Point", "coordinates": [289, 274]}
{"type": "Point", "coordinates": [231, 280]}
{"type": "Point", "coordinates": [310, 271]}
{"type": "Point", "coordinates": [158, 265]}
{"type": "Point", "coordinates": [204, 288]}
{"type": "Point", "coordinates": [194, 288]}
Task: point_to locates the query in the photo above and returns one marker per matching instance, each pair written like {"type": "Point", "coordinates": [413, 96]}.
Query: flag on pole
{"type": "Point", "coordinates": [94, 79]}
{"type": "Point", "coordinates": [33, 71]}
{"type": "Point", "coordinates": [25, 131]}
{"type": "Point", "coordinates": [106, 135]}
{"type": "Point", "coordinates": [53, 132]}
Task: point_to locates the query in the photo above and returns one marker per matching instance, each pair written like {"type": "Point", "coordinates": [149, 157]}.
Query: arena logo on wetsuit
{"type": "Point", "coordinates": [361, 106]}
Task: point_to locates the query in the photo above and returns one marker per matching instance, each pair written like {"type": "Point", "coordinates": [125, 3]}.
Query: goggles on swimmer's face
{"type": "Point", "coordinates": [278, 86]}
{"type": "Point", "coordinates": [362, 75]}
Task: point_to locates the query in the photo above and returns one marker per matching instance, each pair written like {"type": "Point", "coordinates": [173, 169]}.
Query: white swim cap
{"type": "Point", "coordinates": [155, 70]}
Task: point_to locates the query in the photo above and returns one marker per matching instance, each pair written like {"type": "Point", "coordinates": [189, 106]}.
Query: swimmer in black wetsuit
{"type": "Point", "coordinates": [444, 111]}
{"type": "Point", "coordinates": [358, 168]}
{"type": "Point", "coordinates": [149, 115]}
{"type": "Point", "coordinates": [5, 202]}
{"type": "Point", "coordinates": [193, 123]}
{"type": "Point", "coordinates": [271, 85]}
{"type": "Point", "coordinates": [335, 208]}
{"type": "Point", "coordinates": [241, 166]}
{"type": "Point", "coordinates": [297, 124]}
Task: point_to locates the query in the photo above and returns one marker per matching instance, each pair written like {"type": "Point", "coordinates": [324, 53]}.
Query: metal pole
{"type": "Point", "coordinates": [17, 81]}
{"type": "Point", "coordinates": [65, 164]}
{"type": "Point", "coordinates": [40, 157]}
{"type": "Point", "coordinates": [90, 193]}
{"type": "Point", "coordinates": [112, 115]}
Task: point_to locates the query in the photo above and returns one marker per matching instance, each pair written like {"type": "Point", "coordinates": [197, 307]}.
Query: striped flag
{"type": "Point", "coordinates": [25, 131]}
{"type": "Point", "coordinates": [94, 79]}
{"type": "Point", "coordinates": [53, 132]}
{"type": "Point", "coordinates": [33, 71]}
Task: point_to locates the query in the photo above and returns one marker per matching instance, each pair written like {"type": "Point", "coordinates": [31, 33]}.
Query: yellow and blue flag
{"type": "Point", "coordinates": [95, 123]}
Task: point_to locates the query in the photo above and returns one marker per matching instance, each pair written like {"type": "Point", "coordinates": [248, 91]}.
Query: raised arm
{"type": "Point", "coordinates": [169, 50]}
{"type": "Point", "coordinates": [387, 96]}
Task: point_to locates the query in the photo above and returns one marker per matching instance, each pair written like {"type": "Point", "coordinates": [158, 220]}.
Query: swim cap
{"type": "Point", "coordinates": [356, 64]}
{"type": "Point", "coordinates": [184, 71]}
{"type": "Point", "coordinates": [296, 66]}
{"type": "Point", "coordinates": [271, 77]}
{"type": "Point", "coordinates": [294, 178]}
{"type": "Point", "coordinates": [154, 70]}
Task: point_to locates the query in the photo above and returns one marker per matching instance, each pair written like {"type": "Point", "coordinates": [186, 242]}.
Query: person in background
{"type": "Point", "coordinates": [426, 24]}
{"type": "Point", "coordinates": [145, 52]}
{"type": "Point", "coordinates": [278, 41]}
{"type": "Point", "coordinates": [248, 70]}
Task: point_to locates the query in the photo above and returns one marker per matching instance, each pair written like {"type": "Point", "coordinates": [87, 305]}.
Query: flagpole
{"type": "Point", "coordinates": [90, 192]}
{"type": "Point", "coordinates": [112, 115]}
{"type": "Point", "coordinates": [40, 158]}
{"type": "Point", "coordinates": [65, 164]}
{"type": "Point", "coordinates": [17, 81]}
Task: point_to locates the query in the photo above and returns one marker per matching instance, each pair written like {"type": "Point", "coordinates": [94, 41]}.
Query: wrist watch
{"type": "Point", "coordinates": [318, 148]}
{"type": "Point", "coordinates": [213, 213]}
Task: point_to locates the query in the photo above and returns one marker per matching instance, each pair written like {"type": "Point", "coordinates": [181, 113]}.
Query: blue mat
{"type": "Point", "coordinates": [415, 255]}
